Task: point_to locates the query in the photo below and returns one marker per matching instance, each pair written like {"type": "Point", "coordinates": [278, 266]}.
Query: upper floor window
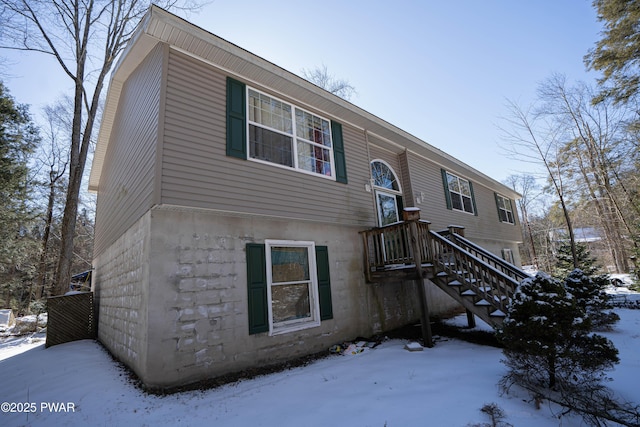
{"type": "Point", "coordinates": [505, 209]}
{"type": "Point", "coordinates": [459, 193]}
{"type": "Point", "coordinates": [286, 135]}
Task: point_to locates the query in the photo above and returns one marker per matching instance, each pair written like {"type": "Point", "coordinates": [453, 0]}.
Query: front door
{"type": "Point", "coordinates": [387, 208]}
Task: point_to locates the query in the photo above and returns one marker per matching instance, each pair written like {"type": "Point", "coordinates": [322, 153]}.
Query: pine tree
{"type": "Point", "coordinates": [564, 260]}
{"type": "Point", "coordinates": [547, 338]}
{"type": "Point", "coordinates": [588, 293]}
{"type": "Point", "coordinates": [18, 138]}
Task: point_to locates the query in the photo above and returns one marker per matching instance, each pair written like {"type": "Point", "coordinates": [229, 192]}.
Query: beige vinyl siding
{"type": "Point", "coordinates": [427, 178]}
{"type": "Point", "coordinates": [196, 171]}
{"type": "Point", "coordinates": [126, 186]}
{"type": "Point", "coordinates": [405, 177]}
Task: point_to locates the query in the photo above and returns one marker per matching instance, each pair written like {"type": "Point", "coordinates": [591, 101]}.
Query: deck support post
{"type": "Point", "coordinates": [471, 320]}
{"type": "Point", "coordinates": [412, 216]}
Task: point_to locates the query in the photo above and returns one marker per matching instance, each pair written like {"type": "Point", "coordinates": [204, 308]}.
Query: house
{"type": "Point", "coordinates": [234, 199]}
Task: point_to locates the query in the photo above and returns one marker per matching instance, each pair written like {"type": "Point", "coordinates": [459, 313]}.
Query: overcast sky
{"type": "Point", "coordinates": [441, 71]}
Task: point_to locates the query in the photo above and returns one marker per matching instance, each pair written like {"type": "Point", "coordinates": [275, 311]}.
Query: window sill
{"type": "Point", "coordinates": [293, 328]}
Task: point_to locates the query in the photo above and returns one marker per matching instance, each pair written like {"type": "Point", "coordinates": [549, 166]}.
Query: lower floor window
{"type": "Point", "coordinates": [288, 286]}
{"type": "Point", "coordinates": [292, 284]}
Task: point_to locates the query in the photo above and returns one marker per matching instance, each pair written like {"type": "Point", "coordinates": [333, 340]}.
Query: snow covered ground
{"type": "Point", "coordinates": [78, 384]}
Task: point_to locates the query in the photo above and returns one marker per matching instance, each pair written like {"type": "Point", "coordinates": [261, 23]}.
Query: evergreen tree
{"type": "Point", "coordinates": [564, 260]}
{"type": "Point", "coordinates": [588, 293]}
{"type": "Point", "coordinates": [617, 54]}
{"type": "Point", "coordinates": [548, 341]}
{"type": "Point", "coordinates": [18, 138]}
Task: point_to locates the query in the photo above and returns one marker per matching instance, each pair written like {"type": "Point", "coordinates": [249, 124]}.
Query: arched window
{"type": "Point", "coordinates": [383, 176]}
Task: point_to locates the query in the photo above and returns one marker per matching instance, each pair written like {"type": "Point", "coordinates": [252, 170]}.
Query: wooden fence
{"type": "Point", "coordinates": [70, 318]}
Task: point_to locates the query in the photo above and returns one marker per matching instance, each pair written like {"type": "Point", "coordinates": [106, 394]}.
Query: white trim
{"type": "Point", "coordinates": [294, 137]}
{"type": "Point", "coordinates": [471, 195]}
{"type": "Point", "coordinates": [504, 198]}
{"type": "Point", "coordinates": [395, 175]}
{"type": "Point", "coordinates": [314, 300]}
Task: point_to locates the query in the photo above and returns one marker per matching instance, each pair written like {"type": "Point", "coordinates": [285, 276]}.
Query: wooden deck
{"type": "Point", "coordinates": [480, 281]}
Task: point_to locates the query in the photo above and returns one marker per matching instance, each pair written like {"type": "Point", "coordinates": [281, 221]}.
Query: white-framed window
{"type": "Point", "coordinates": [507, 255]}
{"type": "Point", "coordinates": [288, 136]}
{"type": "Point", "coordinates": [505, 209]}
{"type": "Point", "coordinates": [460, 193]}
{"type": "Point", "coordinates": [292, 286]}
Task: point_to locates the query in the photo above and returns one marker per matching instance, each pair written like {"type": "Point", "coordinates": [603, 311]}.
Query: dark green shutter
{"type": "Point", "coordinates": [339, 159]}
{"type": "Point", "coordinates": [495, 195]}
{"type": "Point", "coordinates": [514, 214]}
{"type": "Point", "coordinates": [257, 288]}
{"type": "Point", "coordinates": [473, 199]}
{"type": "Point", "coordinates": [236, 119]}
{"type": "Point", "coordinates": [324, 282]}
{"type": "Point", "coordinates": [447, 195]}
{"type": "Point", "coordinates": [400, 205]}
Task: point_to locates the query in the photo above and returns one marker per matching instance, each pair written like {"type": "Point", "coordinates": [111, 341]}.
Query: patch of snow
{"type": "Point", "coordinates": [450, 382]}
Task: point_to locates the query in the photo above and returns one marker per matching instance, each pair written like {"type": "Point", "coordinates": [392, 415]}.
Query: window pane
{"type": "Point", "coordinates": [388, 209]}
{"type": "Point", "coordinates": [456, 201]}
{"type": "Point", "coordinates": [313, 158]}
{"type": "Point", "coordinates": [468, 204]}
{"type": "Point", "coordinates": [270, 146]}
{"type": "Point", "coordinates": [383, 176]}
{"type": "Point", "coordinates": [269, 112]}
{"type": "Point", "coordinates": [464, 188]}
{"type": "Point", "coordinates": [290, 302]}
{"type": "Point", "coordinates": [289, 264]}
{"type": "Point", "coordinates": [452, 181]}
{"type": "Point", "coordinates": [501, 203]}
{"type": "Point", "coordinates": [312, 128]}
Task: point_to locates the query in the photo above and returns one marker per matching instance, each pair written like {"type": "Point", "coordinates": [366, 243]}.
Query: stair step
{"type": "Point", "coordinates": [497, 313]}
{"type": "Point", "coordinates": [472, 280]}
{"type": "Point", "coordinates": [468, 293]}
{"type": "Point", "coordinates": [483, 303]}
{"type": "Point", "coordinates": [484, 288]}
{"type": "Point", "coordinates": [442, 274]}
{"type": "Point", "coordinates": [454, 283]}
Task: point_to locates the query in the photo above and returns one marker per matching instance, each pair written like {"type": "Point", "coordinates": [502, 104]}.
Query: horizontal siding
{"type": "Point", "coordinates": [426, 178]}
{"type": "Point", "coordinates": [125, 190]}
{"type": "Point", "coordinates": [196, 171]}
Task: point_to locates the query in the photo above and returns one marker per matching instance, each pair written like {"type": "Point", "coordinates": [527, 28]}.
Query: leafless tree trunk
{"type": "Point", "coordinates": [539, 144]}
{"type": "Point", "coordinates": [85, 37]}
{"type": "Point", "coordinates": [525, 184]}
{"type": "Point", "coordinates": [595, 133]}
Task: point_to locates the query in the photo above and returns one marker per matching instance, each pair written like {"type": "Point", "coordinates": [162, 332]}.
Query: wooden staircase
{"type": "Point", "coordinates": [480, 281]}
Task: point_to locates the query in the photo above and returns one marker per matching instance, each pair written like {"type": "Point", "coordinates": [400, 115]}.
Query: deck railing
{"type": "Point", "coordinates": [445, 257]}
{"type": "Point", "coordinates": [390, 246]}
{"type": "Point", "coordinates": [487, 282]}
{"type": "Point", "coordinates": [486, 256]}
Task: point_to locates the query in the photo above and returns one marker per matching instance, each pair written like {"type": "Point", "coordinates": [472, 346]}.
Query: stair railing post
{"type": "Point", "coordinates": [411, 216]}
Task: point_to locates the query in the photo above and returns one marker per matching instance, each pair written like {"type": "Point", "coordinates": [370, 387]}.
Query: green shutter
{"type": "Point", "coordinates": [324, 282]}
{"type": "Point", "coordinates": [447, 195]}
{"type": "Point", "coordinates": [339, 159]}
{"type": "Point", "coordinates": [257, 288]}
{"type": "Point", "coordinates": [400, 205]}
{"type": "Point", "coordinates": [513, 212]}
{"type": "Point", "coordinates": [473, 199]}
{"type": "Point", "coordinates": [236, 119]}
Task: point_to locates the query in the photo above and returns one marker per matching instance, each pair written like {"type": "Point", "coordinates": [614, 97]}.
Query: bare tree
{"type": "Point", "coordinates": [54, 159]}
{"type": "Point", "coordinates": [594, 151]}
{"type": "Point", "coordinates": [321, 77]}
{"type": "Point", "coordinates": [85, 37]}
{"type": "Point", "coordinates": [527, 187]}
{"type": "Point", "coordinates": [534, 139]}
